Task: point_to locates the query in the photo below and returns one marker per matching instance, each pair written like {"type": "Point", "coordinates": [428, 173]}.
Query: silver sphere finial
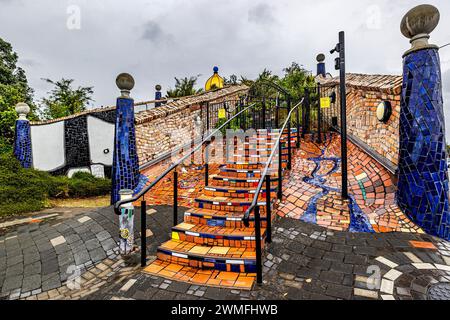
{"type": "Point", "coordinates": [320, 58]}
{"type": "Point", "coordinates": [418, 23]}
{"type": "Point", "coordinates": [125, 83]}
{"type": "Point", "coordinates": [23, 110]}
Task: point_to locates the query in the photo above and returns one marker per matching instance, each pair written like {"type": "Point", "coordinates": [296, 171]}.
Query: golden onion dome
{"type": "Point", "coordinates": [215, 82]}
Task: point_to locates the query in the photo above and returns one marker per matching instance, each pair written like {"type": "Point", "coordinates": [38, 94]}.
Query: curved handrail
{"type": "Point", "coordinates": [273, 85]}
{"type": "Point", "coordinates": [172, 167]}
{"type": "Point", "coordinates": [266, 170]}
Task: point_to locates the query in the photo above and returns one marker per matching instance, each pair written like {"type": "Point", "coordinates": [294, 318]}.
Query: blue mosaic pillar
{"type": "Point", "coordinates": [321, 71]}
{"type": "Point", "coordinates": [158, 95]}
{"type": "Point", "coordinates": [22, 141]}
{"type": "Point", "coordinates": [423, 189]}
{"type": "Point", "coordinates": [125, 171]}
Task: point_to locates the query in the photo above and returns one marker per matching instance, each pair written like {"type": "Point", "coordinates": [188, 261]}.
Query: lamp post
{"type": "Point", "coordinates": [340, 65]}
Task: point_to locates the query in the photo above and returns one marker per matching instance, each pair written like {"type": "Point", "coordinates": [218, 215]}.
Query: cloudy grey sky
{"type": "Point", "coordinates": [155, 40]}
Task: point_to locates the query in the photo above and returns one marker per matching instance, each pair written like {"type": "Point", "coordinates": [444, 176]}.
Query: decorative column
{"type": "Point", "coordinates": [423, 189]}
{"type": "Point", "coordinates": [125, 171]}
{"type": "Point", "coordinates": [158, 95]}
{"type": "Point", "coordinates": [22, 142]}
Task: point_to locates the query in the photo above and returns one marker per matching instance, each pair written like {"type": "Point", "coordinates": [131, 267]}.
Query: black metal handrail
{"type": "Point", "coordinates": [266, 170]}
{"type": "Point", "coordinates": [136, 197]}
{"type": "Point", "coordinates": [265, 177]}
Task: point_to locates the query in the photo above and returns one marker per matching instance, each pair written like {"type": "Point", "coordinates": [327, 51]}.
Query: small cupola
{"type": "Point", "coordinates": [215, 82]}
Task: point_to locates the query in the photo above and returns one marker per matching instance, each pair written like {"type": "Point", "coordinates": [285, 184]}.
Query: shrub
{"type": "Point", "coordinates": [24, 190]}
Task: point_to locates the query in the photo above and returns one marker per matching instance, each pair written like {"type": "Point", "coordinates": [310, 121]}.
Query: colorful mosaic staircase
{"type": "Point", "coordinates": [212, 246]}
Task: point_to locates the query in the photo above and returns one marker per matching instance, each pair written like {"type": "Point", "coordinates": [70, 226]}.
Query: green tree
{"type": "Point", "coordinates": [295, 79]}
{"type": "Point", "coordinates": [184, 87]}
{"type": "Point", "coordinates": [233, 80]}
{"type": "Point", "coordinates": [64, 100]}
{"type": "Point", "coordinates": [13, 89]}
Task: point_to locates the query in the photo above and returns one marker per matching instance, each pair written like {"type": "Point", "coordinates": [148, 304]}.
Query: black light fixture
{"type": "Point", "coordinates": [333, 97]}
{"type": "Point", "coordinates": [384, 111]}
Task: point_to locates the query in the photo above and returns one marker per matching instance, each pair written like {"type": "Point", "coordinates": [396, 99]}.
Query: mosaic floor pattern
{"type": "Point", "coordinates": [312, 192]}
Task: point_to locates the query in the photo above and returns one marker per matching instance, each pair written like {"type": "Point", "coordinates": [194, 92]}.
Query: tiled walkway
{"type": "Point", "coordinates": [318, 259]}
{"type": "Point", "coordinates": [313, 191]}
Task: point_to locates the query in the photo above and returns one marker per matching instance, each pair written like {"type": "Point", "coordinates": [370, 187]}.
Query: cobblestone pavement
{"type": "Point", "coordinates": [305, 261]}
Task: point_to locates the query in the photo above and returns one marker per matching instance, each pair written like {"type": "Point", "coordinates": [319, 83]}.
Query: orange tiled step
{"type": "Point", "coordinates": [225, 181]}
{"type": "Point", "coordinates": [226, 203]}
{"type": "Point", "coordinates": [221, 218]}
{"type": "Point", "coordinates": [236, 192]}
{"type": "Point", "coordinates": [254, 158]}
{"type": "Point", "coordinates": [214, 278]}
{"type": "Point", "coordinates": [216, 236]}
{"type": "Point", "coordinates": [240, 173]}
{"type": "Point", "coordinates": [220, 258]}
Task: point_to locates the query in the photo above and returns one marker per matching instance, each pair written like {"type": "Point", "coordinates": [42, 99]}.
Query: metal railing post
{"type": "Point", "coordinates": [175, 197]}
{"type": "Point", "coordinates": [289, 164]}
{"type": "Point", "coordinates": [343, 114]}
{"type": "Point", "coordinates": [298, 127]}
{"type": "Point", "coordinates": [268, 211]}
{"type": "Point", "coordinates": [280, 171]}
{"type": "Point", "coordinates": [264, 113]}
{"type": "Point", "coordinates": [319, 115]}
{"type": "Point", "coordinates": [207, 116]}
{"type": "Point", "coordinates": [143, 233]}
{"type": "Point", "coordinates": [305, 108]}
{"type": "Point", "coordinates": [258, 245]}
{"type": "Point", "coordinates": [207, 164]}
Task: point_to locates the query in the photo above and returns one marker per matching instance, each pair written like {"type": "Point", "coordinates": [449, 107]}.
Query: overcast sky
{"type": "Point", "coordinates": [156, 40]}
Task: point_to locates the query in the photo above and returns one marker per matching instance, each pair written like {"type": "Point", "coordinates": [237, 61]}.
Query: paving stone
{"type": "Point", "coordinates": [97, 254]}
{"type": "Point", "coordinates": [32, 282]}
{"type": "Point", "coordinates": [11, 283]}
{"type": "Point", "coordinates": [57, 241]}
{"type": "Point", "coordinates": [92, 244]}
{"type": "Point", "coordinates": [331, 276]}
{"type": "Point", "coordinates": [366, 293]}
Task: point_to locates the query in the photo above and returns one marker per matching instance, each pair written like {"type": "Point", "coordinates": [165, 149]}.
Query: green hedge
{"type": "Point", "coordinates": [25, 190]}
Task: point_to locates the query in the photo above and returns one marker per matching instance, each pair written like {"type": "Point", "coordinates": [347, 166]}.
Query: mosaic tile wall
{"type": "Point", "coordinates": [423, 179]}
{"type": "Point", "coordinates": [76, 142]}
{"type": "Point", "coordinates": [22, 145]}
{"type": "Point", "coordinates": [125, 173]}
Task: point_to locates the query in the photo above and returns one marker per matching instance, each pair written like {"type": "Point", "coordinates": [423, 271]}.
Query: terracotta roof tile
{"type": "Point", "coordinates": [385, 83]}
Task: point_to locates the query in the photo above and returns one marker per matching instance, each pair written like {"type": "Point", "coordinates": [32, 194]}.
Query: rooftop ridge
{"type": "Point", "coordinates": [172, 106]}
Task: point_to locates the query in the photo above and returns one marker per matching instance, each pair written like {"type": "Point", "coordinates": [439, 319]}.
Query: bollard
{"type": "Point", "coordinates": [126, 223]}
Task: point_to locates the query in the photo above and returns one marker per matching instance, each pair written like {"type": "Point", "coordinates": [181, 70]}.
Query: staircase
{"type": "Point", "coordinates": [212, 246]}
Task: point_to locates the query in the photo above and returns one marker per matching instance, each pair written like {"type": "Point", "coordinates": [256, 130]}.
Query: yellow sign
{"type": "Point", "coordinates": [222, 114]}
{"type": "Point", "coordinates": [325, 102]}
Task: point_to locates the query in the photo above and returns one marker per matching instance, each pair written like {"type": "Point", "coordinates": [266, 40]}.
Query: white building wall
{"type": "Point", "coordinates": [47, 144]}
{"type": "Point", "coordinates": [101, 140]}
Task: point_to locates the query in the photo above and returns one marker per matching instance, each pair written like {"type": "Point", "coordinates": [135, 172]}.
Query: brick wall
{"type": "Point", "coordinates": [364, 94]}
{"type": "Point", "coordinates": [162, 129]}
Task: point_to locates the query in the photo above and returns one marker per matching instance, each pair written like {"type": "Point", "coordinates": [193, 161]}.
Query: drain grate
{"type": "Point", "coordinates": [439, 291]}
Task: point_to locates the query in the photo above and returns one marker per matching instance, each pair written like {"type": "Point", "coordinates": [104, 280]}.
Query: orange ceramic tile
{"type": "Point", "coordinates": [423, 245]}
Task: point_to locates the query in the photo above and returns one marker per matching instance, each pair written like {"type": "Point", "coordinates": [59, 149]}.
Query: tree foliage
{"type": "Point", "coordinates": [294, 80]}
{"type": "Point", "coordinates": [13, 89]}
{"type": "Point", "coordinates": [184, 87]}
{"type": "Point", "coordinates": [64, 100]}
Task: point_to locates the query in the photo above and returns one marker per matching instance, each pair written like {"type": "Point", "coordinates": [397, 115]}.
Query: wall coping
{"type": "Point", "coordinates": [390, 84]}
{"type": "Point", "coordinates": [178, 105]}
{"type": "Point", "coordinates": [170, 107]}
